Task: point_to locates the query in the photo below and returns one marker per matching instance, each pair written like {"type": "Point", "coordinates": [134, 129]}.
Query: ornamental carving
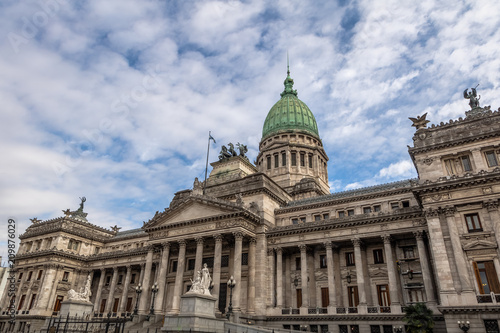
{"type": "Point", "coordinates": [487, 190]}
{"type": "Point", "coordinates": [356, 242]}
{"type": "Point", "coordinates": [431, 212]}
{"type": "Point", "coordinates": [428, 160]}
{"type": "Point", "coordinates": [491, 205]}
{"type": "Point", "coordinates": [237, 223]}
{"type": "Point", "coordinates": [386, 238]}
{"type": "Point", "coordinates": [449, 211]}
{"type": "Point", "coordinates": [419, 234]}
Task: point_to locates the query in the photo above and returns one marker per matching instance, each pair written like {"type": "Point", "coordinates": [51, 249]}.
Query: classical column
{"type": "Point", "coordinates": [338, 278]}
{"type": "Point", "coordinates": [261, 272]}
{"type": "Point", "coordinates": [424, 265]}
{"type": "Point", "coordinates": [126, 285]}
{"type": "Point", "coordinates": [391, 273]}
{"type": "Point", "coordinates": [162, 278]}
{"type": "Point", "coordinates": [279, 277]}
{"type": "Point", "coordinates": [199, 254]}
{"type": "Point", "coordinates": [217, 266]}
{"type": "Point", "coordinates": [331, 275]}
{"type": "Point", "coordinates": [111, 296]}
{"type": "Point", "coordinates": [492, 207]}
{"type": "Point", "coordinates": [46, 288]}
{"type": "Point", "coordinates": [360, 276]}
{"type": "Point", "coordinates": [251, 277]}
{"type": "Point", "coordinates": [141, 274]}
{"type": "Point", "coordinates": [146, 282]}
{"type": "Point", "coordinates": [99, 291]}
{"type": "Point", "coordinates": [303, 275]}
{"type": "Point", "coordinates": [179, 278]}
{"type": "Point", "coordinates": [272, 271]}
{"type": "Point", "coordinates": [53, 288]}
{"type": "Point", "coordinates": [238, 245]}
{"type": "Point", "coordinates": [458, 252]}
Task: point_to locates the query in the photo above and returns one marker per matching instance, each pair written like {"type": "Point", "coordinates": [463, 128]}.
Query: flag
{"type": "Point", "coordinates": [210, 137]}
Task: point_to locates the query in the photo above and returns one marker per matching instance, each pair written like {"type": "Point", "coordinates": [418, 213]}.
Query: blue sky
{"type": "Point", "coordinates": [113, 100]}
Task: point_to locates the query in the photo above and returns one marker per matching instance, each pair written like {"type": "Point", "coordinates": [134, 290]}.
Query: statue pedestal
{"type": "Point", "coordinates": [76, 308]}
{"type": "Point", "coordinates": [197, 314]}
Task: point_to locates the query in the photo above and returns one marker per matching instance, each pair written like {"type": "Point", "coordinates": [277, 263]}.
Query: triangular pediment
{"type": "Point", "coordinates": [479, 245]}
{"type": "Point", "coordinates": [193, 209]}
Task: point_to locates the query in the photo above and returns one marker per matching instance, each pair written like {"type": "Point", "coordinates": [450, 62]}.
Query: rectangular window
{"type": "Point", "coordinates": [326, 216]}
{"type": "Point", "coordinates": [224, 261]}
{"type": "Point", "coordinates": [302, 160]}
{"type": "Point", "coordinates": [120, 279]}
{"type": "Point", "coordinates": [324, 328]}
{"type": "Point", "coordinates": [269, 163]}
{"type": "Point", "coordinates": [283, 159]}
{"type": "Point", "coordinates": [450, 167]}
{"type": "Point", "coordinates": [352, 293]}
{"type": "Point", "coordinates": [40, 272]}
{"type": "Point", "coordinates": [375, 329]}
{"type": "Point", "coordinates": [132, 279]}
{"type": "Point", "coordinates": [190, 265]}
{"type": "Point", "coordinates": [378, 257]}
{"type": "Point", "coordinates": [29, 276]}
{"type": "Point", "coordinates": [128, 308]}
{"type": "Point", "coordinates": [295, 221]}
{"type": "Point", "coordinates": [115, 305]}
{"type": "Point", "coordinates": [322, 261]}
{"type": "Point", "coordinates": [387, 328]}
{"type": "Point", "coordinates": [108, 280]}
{"type": "Point", "coordinates": [173, 267]}
{"type": "Point", "coordinates": [349, 259]}
{"type": "Point", "coordinates": [209, 261]}
{"type": "Point", "coordinates": [473, 222]}
{"type": "Point", "coordinates": [383, 295]}
{"type": "Point", "coordinates": [350, 212]}
{"type": "Point", "coordinates": [408, 252]}
{"type": "Point", "coordinates": [297, 263]}
{"type": "Point", "coordinates": [491, 326]}
{"type": "Point", "coordinates": [244, 259]}
{"type": "Point", "coordinates": [376, 208]}
{"type": "Point", "coordinates": [97, 250]}
{"type": "Point", "coordinates": [65, 276]}
{"type": "Point", "coordinates": [317, 217]}
{"type": "Point", "coordinates": [491, 158]}
{"type": "Point", "coordinates": [310, 160]}
{"type": "Point", "coordinates": [486, 277]}
{"type": "Point", "coordinates": [276, 161]}
{"type": "Point", "coordinates": [21, 302]}
{"type": "Point", "coordinates": [367, 210]}
{"type": "Point", "coordinates": [299, 297]}
{"type": "Point", "coordinates": [394, 205]}
{"type": "Point", "coordinates": [57, 304]}
{"type": "Point", "coordinates": [405, 204]}
{"type": "Point", "coordinates": [294, 159]}
{"type": "Point", "coordinates": [32, 302]}
{"type": "Point", "coordinates": [19, 278]}
{"type": "Point", "coordinates": [302, 220]}
{"type": "Point", "coordinates": [103, 306]}
{"type": "Point", "coordinates": [466, 163]}
{"type": "Point", "coordinates": [341, 214]}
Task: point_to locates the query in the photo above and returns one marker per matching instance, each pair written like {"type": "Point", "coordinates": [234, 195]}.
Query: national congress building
{"type": "Point", "coordinates": [302, 257]}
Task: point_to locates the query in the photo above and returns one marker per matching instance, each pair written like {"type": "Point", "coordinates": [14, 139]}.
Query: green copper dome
{"type": "Point", "coordinates": [290, 114]}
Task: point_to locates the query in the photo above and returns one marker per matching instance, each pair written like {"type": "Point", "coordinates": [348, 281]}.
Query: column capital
{"type": "Point", "coordinates": [182, 242]}
{"type": "Point", "coordinates": [419, 234]}
{"type": "Point", "coordinates": [431, 212]}
{"type": "Point", "coordinates": [238, 235]}
{"type": "Point", "coordinates": [143, 265]}
{"type": "Point", "coordinates": [165, 245]}
{"type": "Point", "coordinates": [278, 250]}
{"type": "Point", "coordinates": [218, 238]}
{"type": "Point", "coordinates": [303, 247]}
{"type": "Point", "coordinates": [115, 269]}
{"type": "Point", "coordinates": [491, 205]}
{"type": "Point", "coordinates": [252, 241]}
{"type": "Point", "coordinates": [386, 238]}
{"type": "Point", "coordinates": [328, 245]}
{"type": "Point", "coordinates": [356, 242]}
{"type": "Point", "coordinates": [129, 267]}
{"type": "Point", "coordinates": [449, 211]}
{"type": "Point", "coordinates": [270, 252]}
{"type": "Point", "coordinates": [199, 240]}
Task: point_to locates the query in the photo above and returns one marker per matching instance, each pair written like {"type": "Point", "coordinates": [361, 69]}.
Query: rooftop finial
{"type": "Point", "coordinates": [287, 64]}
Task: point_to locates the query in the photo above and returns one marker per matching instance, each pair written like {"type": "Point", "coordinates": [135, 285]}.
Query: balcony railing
{"type": "Point", "coordinates": [337, 310]}
{"type": "Point", "coordinates": [488, 298]}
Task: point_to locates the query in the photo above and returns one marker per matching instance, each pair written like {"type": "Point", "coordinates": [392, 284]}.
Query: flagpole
{"type": "Point", "coordinates": [206, 165]}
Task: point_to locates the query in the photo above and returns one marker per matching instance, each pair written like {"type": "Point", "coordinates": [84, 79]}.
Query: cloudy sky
{"type": "Point", "coordinates": [113, 100]}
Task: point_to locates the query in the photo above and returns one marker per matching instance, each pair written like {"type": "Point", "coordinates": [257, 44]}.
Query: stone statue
{"type": "Point", "coordinates": [83, 295]}
{"type": "Point", "coordinates": [243, 150]}
{"type": "Point", "coordinates": [35, 220]}
{"type": "Point", "coordinates": [472, 97]}
{"type": "Point", "coordinates": [231, 149]}
{"type": "Point", "coordinates": [79, 213]}
{"type": "Point", "coordinates": [420, 121]}
{"type": "Point", "coordinates": [201, 284]}
{"type": "Point", "coordinates": [224, 153]}
{"type": "Point", "coordinates": [206, 280]}
{"type": "Point", "coordinates": [115, 228]}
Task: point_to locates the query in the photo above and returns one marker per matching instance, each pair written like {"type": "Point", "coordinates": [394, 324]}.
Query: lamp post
{"type": "Point", "coordinates": [230, 284]}
{"type": "Point", "coordinates": [464, 325]}
{"type": "Point", "coordinates": [397, 329]}
{"type": "Point", "coordinates": [138, 291]}
{"type": "Point", "coordinates": [154, 290]}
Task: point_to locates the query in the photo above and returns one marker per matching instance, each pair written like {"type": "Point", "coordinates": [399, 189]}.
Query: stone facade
{"type": "Point", "coordinates": [340, 262]}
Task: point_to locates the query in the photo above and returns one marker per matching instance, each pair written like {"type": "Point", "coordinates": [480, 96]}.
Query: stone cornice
{"type": "Point", "coordinates": [367, 193]}
{"type": "Point", "coordinates": [493, 308]}
{"type": "Point", "coordinates": [346, 222]}
{"type": "Point", "coordinates": [83, 258]}
{"type": "Point", "coordinates": [342, 317]}
{"type": "Point", "coordinates": [454, 182]}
